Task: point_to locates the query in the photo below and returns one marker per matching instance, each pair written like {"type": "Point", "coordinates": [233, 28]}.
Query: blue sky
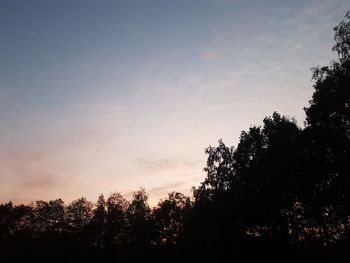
{"type": "Point", "coordinates": [101, 96]}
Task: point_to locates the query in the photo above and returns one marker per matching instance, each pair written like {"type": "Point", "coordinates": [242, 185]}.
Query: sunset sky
{"type": "Point", "coordinates": [102, 96]}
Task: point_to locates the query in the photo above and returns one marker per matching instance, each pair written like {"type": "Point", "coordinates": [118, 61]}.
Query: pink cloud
{"type": "Point", "coordinates": [210, 54]}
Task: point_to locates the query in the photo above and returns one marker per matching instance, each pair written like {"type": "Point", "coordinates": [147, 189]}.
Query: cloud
{"type": "Point", "coordinates": [166, 188]}
{"type": "Point", "coordinates": [164, 164]}
{"type": "Point", "coordinates": [29, 175]}
{"type": "Point", "coordinates": [160, 192]}
{"type": "Point", "coordinates": [210, 54]}
{"type": "Point", "coordinates": [192, 164]}
{"type": "Point", "coordinates": [155, 165]}
{"type": "Point", "coordinates": [47, 183]}
{"type": "Point", "coordinates": [168, 175]}
{"type": "Point", "coordinates": [185, 187]}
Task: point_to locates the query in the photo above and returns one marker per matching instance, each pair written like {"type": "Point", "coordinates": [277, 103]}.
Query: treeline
{"type": "Point", "coordinates": [110, 224]}
{"type": "Point", "coordinates": [283, 193]}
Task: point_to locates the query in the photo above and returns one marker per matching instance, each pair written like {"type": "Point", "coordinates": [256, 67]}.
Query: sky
{"type": "Point", "coordinates": [103, 96]}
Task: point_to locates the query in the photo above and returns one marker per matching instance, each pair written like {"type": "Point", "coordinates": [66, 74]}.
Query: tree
{"type": "Point", "coordinates": [260, 180]}
{"type": "Point", "coordinates": [328, 137]}
{"type": "Point", "coordinates": [169, 218]}
{"type": "Point", "coordinates": [268, 170]}
{"type": "Point", "coordinates": [79, 214]}
{"type": "Point", "coordinates": [98, 223]}
{"type": "Point", "coordinates": [16, 221]}
{"type": "Point", "coordinates": [219, 169]}
{"type": "Point", "coordinates": [139, 219]}
{"type": "Point", "coordinates": [116, 220]}
{"type": "Point", "coordinates": [50, 218]}
{"type": "Point", "coordinates": [342, 38]}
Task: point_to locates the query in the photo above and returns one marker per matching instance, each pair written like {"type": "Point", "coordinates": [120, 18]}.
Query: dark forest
{"type": "Point", "coordinates": [282, 194]}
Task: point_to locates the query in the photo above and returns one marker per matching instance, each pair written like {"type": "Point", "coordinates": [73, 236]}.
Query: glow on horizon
{"type": "Point", "coordinates": [97, 96]}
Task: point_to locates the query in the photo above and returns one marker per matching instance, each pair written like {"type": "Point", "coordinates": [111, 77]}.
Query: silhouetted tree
{"type": "Point", "coordinates": [169, 218]}
{"type": "Point", "coordinates": [98, 223]}
{"type": "Point", "coordinates": [253, 187]}
{"type": "Point", "coordinates": [116, 230]}
{"type": "Point", "coordinates": [220, 171]}
{"type": "Point", "coordinates": [7, 223]}
{"type": "Point", "coordinates": [139, 214]}
{"type": "Point", "coordinates": [269, 175]}
{"type": "Point", "coordinates": [342, 38]}
{"type": "Point", "coordinates": [79, 214]}
{"type": "Point", "coordinates": [49, 218]}
{"type": "Point", "coordinates": [328, 141]}
{"type": "Point", "coordinates": [16, 221]}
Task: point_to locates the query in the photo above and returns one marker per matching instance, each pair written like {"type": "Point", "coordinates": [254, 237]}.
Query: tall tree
{"type": "Point", "coordinates": [50, 217]}
{"type": "Point", "coordinates": [328, 138]}
{"type": "Point", "coordinates": [98, 223]}
{"type": "Point", "coordinates": [139, 214]}
{"type": "Point", "coordinates": [116, 220]}
{"type": "Point", "coordinates": [79, 214]}
{"type": "Point", "coordinates": [169, 218]}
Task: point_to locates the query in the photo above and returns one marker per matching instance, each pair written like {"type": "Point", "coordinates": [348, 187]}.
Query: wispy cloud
{"type": "Point", "coordinates": [156, 165]}
{"type": "Point", "coordinates": [167, 188]}
{"type": "Point", "coordinates": [210, 54]}
{"type": "Point", "coordinates": [164, 164]}
{"type": "Point", "coordinates": [47, 183]}
{"type": "Point", "coordinates": [30, 177]}
{"type": "Point", "coordinates": [160, 192]}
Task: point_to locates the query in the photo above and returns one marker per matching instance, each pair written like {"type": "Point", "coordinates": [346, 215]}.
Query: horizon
{"type": "Point", "coordinates": [97, 97]}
